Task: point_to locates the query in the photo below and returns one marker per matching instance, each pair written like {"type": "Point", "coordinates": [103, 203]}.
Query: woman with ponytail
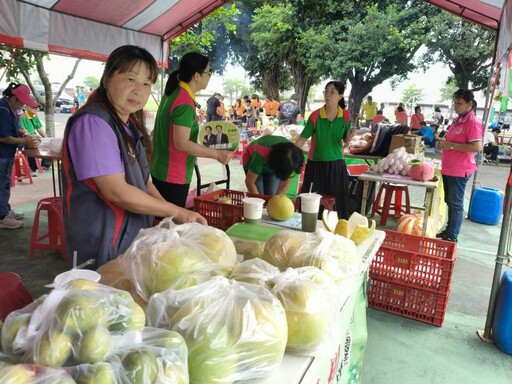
{"type": "Point", "coordinates": [175, 146]}
{"type": "Point", "coordinates": [108, 195]}
{"type": "Point", "coordinates": [328, 128]}
{"type": "Point", "coordinates": [462, 140]}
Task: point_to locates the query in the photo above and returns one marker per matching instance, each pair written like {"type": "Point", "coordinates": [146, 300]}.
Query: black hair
{"type": "Point", "coordinates": [8, 91]}
{"type": "Point", "coordinates": [380, 112]}
{"type": "Point", "coordinates": [466, 95]}
{"type": "Point", "coordinates": [422, 122]}
{"type": "Point", "coordinates": [285, 158]}
{"type": "Point", "coordinates": [400, 108]}
{"type": "Point", "coordinates": [122, 60]}
{"type": "Point", "coordinates": [437, 109]}
{"type": "Point", "coordinates": [190, 64]}
{"type": "Point", "coordinates": [497, 130]}
{"type": "Point", "coordinates": [340, 87]}
{"type": "Point", "coordinates": [416, 108]}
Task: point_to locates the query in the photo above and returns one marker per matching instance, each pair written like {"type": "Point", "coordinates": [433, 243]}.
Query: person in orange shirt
{"type": "Point", "coordinates": [267, 106]}
{"type": "Point", "coordinates": [379, 118]}
{"type": "Point", "coordinates": [221, 109]}
{"type": "Point", "coordinates": [239, 108]}
{"type": "Point", "coordinates": [401, 115]}
{"type": "Point", "coordinates": [255, 100]}
{"type": "Point", "coordinates": [275, 107]}
{"type": "Point", "coordinates": [417, 118]}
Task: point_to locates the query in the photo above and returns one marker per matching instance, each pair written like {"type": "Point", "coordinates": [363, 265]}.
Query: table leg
{"type": "Point", "coordinates": [59, 178]}
{"type": "Point", "coordinates": [364, 198]}
{"type": "Point", "coordinates": [53, 179]}
{"type": "Point", "coordinates": [429, 196]}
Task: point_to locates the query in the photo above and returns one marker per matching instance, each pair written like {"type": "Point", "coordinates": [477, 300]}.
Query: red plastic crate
{"type": "Point", "coordinates": [427, 307]}
{"type": "Point", "coordinates": [415, 261]}
{"type": "Point", "coordinates": [223, 215]}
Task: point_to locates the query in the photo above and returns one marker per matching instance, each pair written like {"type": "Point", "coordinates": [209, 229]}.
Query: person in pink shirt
{"type": "Point", "coordinates": [416, 118]}
{"type": "Point", "coordinates": [462, 140]}
{"type": "Point", "coordinates": [401, 115]}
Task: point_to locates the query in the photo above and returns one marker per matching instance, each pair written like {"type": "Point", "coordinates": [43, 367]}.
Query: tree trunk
{"type": "Point", "coordinates": [301, 82]}
{"type": "Point", "coordinates": [360, 88]}
{"type": "Point", "coordinates": [270, 82]}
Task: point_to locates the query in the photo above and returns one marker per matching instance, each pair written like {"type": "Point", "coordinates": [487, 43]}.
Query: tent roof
{"type": "Point", "coordinates": [92, 29]}
{"type": "Point", "coordinates": [483, 12]}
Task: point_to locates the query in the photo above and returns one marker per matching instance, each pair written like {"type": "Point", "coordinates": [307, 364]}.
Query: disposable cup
{"type": "Point", "coordinates": [74, 274]}
{"type": "Point", "coordinates": [310, 202]}
{"type": "Point", "coordinates": [309, 206]}
{"type": "Point", "coordinates": [253, 209]}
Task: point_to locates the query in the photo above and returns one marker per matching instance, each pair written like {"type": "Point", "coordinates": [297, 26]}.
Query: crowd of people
{"type": "Point", "coordinates": [112, 167]}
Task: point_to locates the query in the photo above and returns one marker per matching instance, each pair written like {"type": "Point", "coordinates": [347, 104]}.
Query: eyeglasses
{"type": "Point", "coordinates": [210, 72]}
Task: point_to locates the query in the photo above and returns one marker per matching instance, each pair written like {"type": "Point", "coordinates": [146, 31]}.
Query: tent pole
{"type": "Point", "coordinates": [491, 87]}
{"type": "Point", "coordinates": [502, 258]}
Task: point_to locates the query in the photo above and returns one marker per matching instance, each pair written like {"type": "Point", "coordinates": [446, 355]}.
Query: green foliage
{"type": "Point", "coordinates": [91, 82]}
{"type": "Point", "coordinates": [447, 90]}
{"type": "Point", "coordinates": [412, 93]}
{"type": "Point", "coordinates": [210, 36]}
{"type": "Point", "coordinates": [464, 46]}
{"type": "Point", "coordinates": [235, 88]}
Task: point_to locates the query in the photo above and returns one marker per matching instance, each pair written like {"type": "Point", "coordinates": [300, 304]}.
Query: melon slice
{"type": "Point", "coordinates": [330, 220]}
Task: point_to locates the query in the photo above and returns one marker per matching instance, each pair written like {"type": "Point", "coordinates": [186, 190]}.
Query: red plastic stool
{"type": "Point", "coordinates": [20, 169]}
{"type": "Point", "coordinates": [328, 202]}
{"type": "Point", "coordinates": [388, 205]}
{"type": "Point", "coordinates": [13, 294]}
{"type": "Point", "coordinates": [55, 234]}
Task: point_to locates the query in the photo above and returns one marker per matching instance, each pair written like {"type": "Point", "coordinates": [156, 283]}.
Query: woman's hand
{"type": "Point", "coordinates": [440, 144]}
{"type": "Point", "coordinates": [222, 156]}
{"type": "Point", "coordinates": [188, 216]}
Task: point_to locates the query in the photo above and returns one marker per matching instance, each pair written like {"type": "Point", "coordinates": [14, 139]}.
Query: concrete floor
{"type": "Point", "coordinates": [399, 350]}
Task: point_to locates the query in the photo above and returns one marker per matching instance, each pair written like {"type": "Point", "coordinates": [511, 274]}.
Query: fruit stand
{"type": "Point", "coordinates": [343, 363]}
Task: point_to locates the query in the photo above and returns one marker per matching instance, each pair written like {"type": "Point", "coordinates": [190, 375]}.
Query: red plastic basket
{"type": "Point", "coordinates": [223, 215]}
{"type": "Point", "coordinates": [415, 261]}
{"type": "Point", "coordinates": [412, 303]}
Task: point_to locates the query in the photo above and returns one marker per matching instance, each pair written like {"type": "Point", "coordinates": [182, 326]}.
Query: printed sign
{"type": "Point", "coordinates": [219, 135]}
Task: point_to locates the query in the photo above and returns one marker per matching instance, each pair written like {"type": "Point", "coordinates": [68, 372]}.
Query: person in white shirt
{"type": "Point", "coordinates": [490, 145]}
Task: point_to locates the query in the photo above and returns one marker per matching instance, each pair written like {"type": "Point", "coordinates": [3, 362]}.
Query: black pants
{"type": "Point", "coordinates": [173, 193]}
{"type": "Point", "coordinates": [492, 150]}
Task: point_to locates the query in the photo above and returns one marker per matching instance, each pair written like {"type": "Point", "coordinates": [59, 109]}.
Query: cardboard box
{"type": "Point", "coordinates": [410, 142]}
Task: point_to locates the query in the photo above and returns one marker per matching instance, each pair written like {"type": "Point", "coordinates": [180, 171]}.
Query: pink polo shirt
{"type": "Point", "coordinates": [462, 131]}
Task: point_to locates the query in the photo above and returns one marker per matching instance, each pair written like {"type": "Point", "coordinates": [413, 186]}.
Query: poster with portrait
{"type": "Point", "coordinates": [219, 135]}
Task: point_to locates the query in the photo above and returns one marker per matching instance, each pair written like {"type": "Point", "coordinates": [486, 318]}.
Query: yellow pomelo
{"type": "Point", "coordinates": [280, 208]}
{"type": "Point", "coordinates": [342, 228]}
{"type": "Point", "coordinates": [330, 220]}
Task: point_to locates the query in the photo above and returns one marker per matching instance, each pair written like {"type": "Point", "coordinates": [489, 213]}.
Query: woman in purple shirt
{"type": "Point", "coordinates": [108, 195]}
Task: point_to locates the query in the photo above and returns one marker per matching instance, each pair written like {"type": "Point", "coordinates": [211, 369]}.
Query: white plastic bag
{"type": "Point", "coordinates": [177, 256]}
{"type": "Point", "coordinates": [234, 331]}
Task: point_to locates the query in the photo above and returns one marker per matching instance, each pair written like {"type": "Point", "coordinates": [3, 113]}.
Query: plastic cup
{"type": "Point", "coordinates": [253, 209]}
{"type": "Point", "coordinates": [309, 206]}
{"type": "Point", "coordinates": [74, 274]}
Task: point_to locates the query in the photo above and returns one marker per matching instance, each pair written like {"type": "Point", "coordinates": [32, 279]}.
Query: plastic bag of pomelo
{"type": "Point", "coordinates": [157, 356]}
{"type": "Point", "coordinates": [234, 330]}
{"type": "Point", "coordinates": [177, 256]}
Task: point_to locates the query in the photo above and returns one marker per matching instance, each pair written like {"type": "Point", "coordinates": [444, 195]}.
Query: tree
{"type": "Point", "coordinates": [376, 41]}
{"type": "Point", "coordinates": [91, 82]}
{"type": "Point", "coordinates": [464, 46]}
{"type": "Point", "coordinates": [447, 90]}
{"type": "Point", "coordinates": [234, 88]}
{"type": "Point", "coordinates": [412, 92]}
{"type": "Point", "coordinates": [24, 61]}
{"type": "Point", "coordinates": [209, 36]}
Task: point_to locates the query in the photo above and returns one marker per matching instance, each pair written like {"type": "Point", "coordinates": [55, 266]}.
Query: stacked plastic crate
{"type": "Point", "coordinates": [411, 277]}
